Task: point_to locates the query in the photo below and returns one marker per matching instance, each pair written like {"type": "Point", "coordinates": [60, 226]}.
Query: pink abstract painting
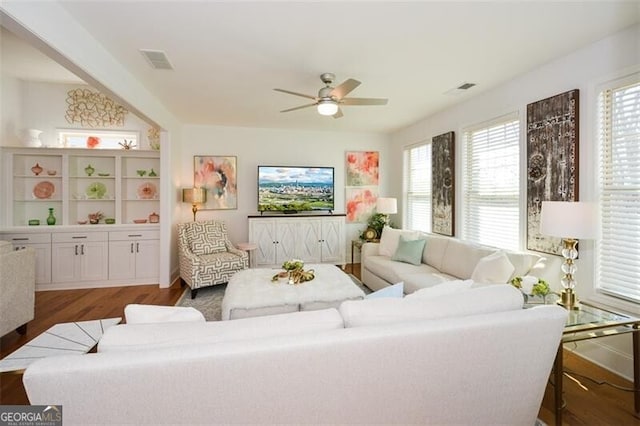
{"type": "Point", "coordinates": [218, 175]}
{"type": "Point", "coordinates": [361, 203]}
{"type": "Point", "coordinates": [362, 168]}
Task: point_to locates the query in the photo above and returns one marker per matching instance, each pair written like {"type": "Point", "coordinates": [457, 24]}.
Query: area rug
{"type": "Point", "coordinates": [62, 339]}
{"type": "Point", "coordinates": [209, 299]}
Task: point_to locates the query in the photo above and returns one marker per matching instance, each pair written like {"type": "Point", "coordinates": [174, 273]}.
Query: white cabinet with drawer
{"type": "Point", "coordinates": [133, 256]}
{"type": "Point", "coordinates": [41, 243]}
{"type": "Point", "coordinates": [79, 257]}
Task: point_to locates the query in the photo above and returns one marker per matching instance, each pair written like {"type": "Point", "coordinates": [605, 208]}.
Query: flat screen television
{"type": "Point", "coordinates": [290, 189]}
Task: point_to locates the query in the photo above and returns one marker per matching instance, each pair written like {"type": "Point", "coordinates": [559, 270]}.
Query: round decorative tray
{"type": "Point", "coordinates": [96, 191]}
{"type": "Point", "coordinates": [147, 191]}
{"type": "Point", "coordinates": [44, 190]}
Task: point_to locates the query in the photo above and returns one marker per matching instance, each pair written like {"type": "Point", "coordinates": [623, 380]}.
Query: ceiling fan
{"type": "Point", "coordinates": [330, 98]}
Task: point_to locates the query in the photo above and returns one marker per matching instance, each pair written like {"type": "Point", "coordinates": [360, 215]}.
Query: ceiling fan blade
{"type": "Point", "coordinates": [338, 114]}
{"type": "Point", "coordinates": [299, 107]}
{"type": "Point", "coordinates": [364, 101]}
{"type": "Point", "coordinates": [345, 88]}
{"type": "Point", "coordinates": [296, 94]}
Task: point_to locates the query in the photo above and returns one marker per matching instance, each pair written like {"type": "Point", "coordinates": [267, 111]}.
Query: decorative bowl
{"type": "Point", "coordinates": [141, 172]}
{"type": "Point", "coordinates": [139, 220]}
{"type": "Point", "coordinates": [109, 221]}
{"type": "Point", "coordinates": [82, 222]}
{"type": "Point", "coordinates": [34, 222]}
{"type": "Point", "coordinates": [52, 172]}
{"type": "Point", "coordinates": [103, 174]}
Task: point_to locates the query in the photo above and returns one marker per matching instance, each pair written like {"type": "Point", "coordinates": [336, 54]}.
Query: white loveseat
{"type": "Point", "coordinates": [443, 259]}
{"type": "Point", "coordinates": [481, 360]}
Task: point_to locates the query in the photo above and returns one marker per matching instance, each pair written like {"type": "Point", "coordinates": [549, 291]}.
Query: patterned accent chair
{"type": "Point", "coordinates": [17, 288]}
{"type": "Point", "coordinates": [206, 255]}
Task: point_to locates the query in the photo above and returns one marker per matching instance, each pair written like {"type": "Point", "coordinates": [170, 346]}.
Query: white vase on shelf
{"type": "Point", "coordinates": [32, 138]}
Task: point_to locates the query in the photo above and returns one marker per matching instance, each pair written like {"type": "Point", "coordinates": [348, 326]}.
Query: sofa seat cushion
{"type": "Point", "coordinates": [394, 272]}
{"type": "Point", "coordinates": [417, 281]}
{"type": "Point", "coordinates": [134, 337]}
{"type": "Point", "coordinates": [476, 300]}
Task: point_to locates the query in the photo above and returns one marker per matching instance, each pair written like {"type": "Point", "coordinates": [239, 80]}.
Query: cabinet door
{"type": "Point", "coordinates": [263, 233]}
{"type": "Point", "coordinates": [64, 264]}
{"type": "Point", "coordinates": [309, 241]}
{"type": "Point", "coordinates": [286, 241]}
{"type": "Point", "coordinates": [43, 261]}
{"type": "Point", "coordinates": [147, 255]}
{"type": "Point", "coordinates": [122, 259]}
{"type": "Point", "coordinates": [333, 240]}
{"type": "Point", "coordinates": [93, 260]}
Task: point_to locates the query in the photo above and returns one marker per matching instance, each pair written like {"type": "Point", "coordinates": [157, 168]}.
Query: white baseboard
{"type": "Point", "coordinates": [605, 356]}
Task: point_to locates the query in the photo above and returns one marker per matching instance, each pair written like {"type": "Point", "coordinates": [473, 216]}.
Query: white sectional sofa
{"type": "Point", "coordinates": [416, 360]}
{"type": "Point", "coordinates": [442, 259]}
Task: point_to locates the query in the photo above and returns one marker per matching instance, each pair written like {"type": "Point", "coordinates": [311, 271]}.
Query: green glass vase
{"type": "Point", "coordinates": [51, 219]}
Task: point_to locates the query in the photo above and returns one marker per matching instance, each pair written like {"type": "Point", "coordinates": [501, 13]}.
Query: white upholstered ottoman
{"type": "Point", "coordinates": [251, 292]}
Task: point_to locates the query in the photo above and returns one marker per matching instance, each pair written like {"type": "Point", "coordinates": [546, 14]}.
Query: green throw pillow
{"type": "Point", "coordinates": [409, 251]}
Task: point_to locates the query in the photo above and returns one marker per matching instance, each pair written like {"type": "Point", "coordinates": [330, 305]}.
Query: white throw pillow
{"type": "Point", "coordinates": [493, 269]}
{"type": "Point", "coordinates": [145, 314]}
{"type": "Point", "coordinates": [389, 240]}
{"type": "Point", "coordinates": [396, 290]}
{"type": "Point", "coordinates": [449, 287]}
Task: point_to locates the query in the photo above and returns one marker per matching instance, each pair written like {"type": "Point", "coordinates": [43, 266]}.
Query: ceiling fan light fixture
{"type": "Point", "coordinates": [327, 107]}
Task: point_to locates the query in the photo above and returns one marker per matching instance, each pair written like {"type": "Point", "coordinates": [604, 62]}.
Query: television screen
{"type": "Point", "coordinates": [288, 189]}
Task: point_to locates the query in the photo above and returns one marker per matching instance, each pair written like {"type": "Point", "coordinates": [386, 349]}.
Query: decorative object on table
{"type": "Point", "coordinates": [360, 202]}
{"type": "Point", "coordinates": [571, 221]}
{"type": "Point", "coordinates": [153, 135]}
{"type": "Point", "coordinates": [52, 172]}
{"type": "Point", "coordinates": [152, 173]}
{"type": "Point", "coordinates": [95, 218]}
{"type": "Point", "coordinates": [369, 234]}
{"type": "Point", "coordinates": [93, 109]}
{"type": "Point", "coordinates": [89, 170]}
{"type": "Point", "coordinates": [443, 184]}
{"type": "Point", "coordinates": [375, 224]}
{"type": "Point", "coordinates": [37, 169]}
{"type": "Point", "coordinates": [96, 191]}
{"type": "Point", "coordinates": [109, 221]}
{"type": "Point", "coordinates": [531, 286]}
{"type": "Point", "coordinates": [44, 190]}
{"type": "Point", "coordinates": [385, 207]}
{"type": "Point", "coordinates": [127, 144]}
{"type": "Point", "coordinates": [147, 191]}
{"type": "Point", "coordinates": [552, 161]}
{"type": "Point", "coordinates": [194, 196]}
{"type": "Point", "coordinates": [32, 138]}
{"type": "Point", "coordinates": [217, 175]}
{"type": "Point", "coordinates": [294, 271]}
{"type": "Point", "coordinates": [51, 219]}
{"type": "Point", "coordinates": [34, 222]}
{"type": "Point", "coordinates": [141, 172]}
{"type": "Point", "coordinates": [139, 221]}
{"type": "Point", "coordinates": [93, 142]}
{"type": "Point", "coordinates": [104, 174]}
{"type": "Point", "coordinates": [363, 168]}
{"type": "Point", "coordinates": [82, 222]}
{"type": "Point", "coordinates": [154, 217]}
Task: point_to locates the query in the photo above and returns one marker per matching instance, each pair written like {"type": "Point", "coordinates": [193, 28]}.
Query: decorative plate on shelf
{"type": "Point", "coordinates": [96, 191]}
{"type": "Point", "coordinates": [147, 191]}
{"type": "Point", "coordinates": [44, 190]}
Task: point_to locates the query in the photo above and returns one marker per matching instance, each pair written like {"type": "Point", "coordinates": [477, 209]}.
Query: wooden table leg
{"type": "Point", "coordinates": [636, 370]}
{"type": "Point", "coordinates": [558, 370]}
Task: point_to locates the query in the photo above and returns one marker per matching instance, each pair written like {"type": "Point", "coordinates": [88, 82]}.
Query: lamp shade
{"type": "Point", "coordinates": [387, 205]}
{"type": "Point", "coordinates": [569, 219]}
{"type": "Point", "coordinates": [194, 195]}
{"type": "Point", "coordinates": [327, 107]}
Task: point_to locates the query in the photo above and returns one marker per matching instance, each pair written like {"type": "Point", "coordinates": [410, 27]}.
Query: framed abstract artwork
{"type": "Point", "coordinates": [363, 168]}
{"type": "Point", "coordinates": [361, 203]}
{"type": "Point", "coordinates": [218, 176]}
{"type": "Point", "coordinates": [552, 161]}
{"type": "Point", "coordinates": [443, 184]}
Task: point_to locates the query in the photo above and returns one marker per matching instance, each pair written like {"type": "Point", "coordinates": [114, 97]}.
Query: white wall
{"type": "Point", "coordinates": [584, 69]}
{"type": "Point", "coordinates": [10, 110]}
{"type": "Point", "coordinates": [254, 147]}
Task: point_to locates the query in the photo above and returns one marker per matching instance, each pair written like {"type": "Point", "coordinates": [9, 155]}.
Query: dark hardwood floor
{"type": "Point", "coordinates": [598, 405]}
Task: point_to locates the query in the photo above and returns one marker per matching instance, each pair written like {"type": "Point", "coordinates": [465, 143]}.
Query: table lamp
{"type": "Point", "coordinates": [570, 221]}
{"type": "Point", "coordinates": [387, 206]}
{"type": "Point", "coordinates": [194, 196]}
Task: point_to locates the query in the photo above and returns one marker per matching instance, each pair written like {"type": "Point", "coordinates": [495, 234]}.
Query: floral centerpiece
{"type": "Point", "coordinates": [294, 270]}
{"type": "Point", "coordinates": [94, 218]}
{"type": "Point", "coordinates": [531, 286]}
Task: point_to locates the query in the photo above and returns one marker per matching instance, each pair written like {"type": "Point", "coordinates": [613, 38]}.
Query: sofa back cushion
{"type": "Point", "coordinates": [477, 300]}
{"type": "Point", "coordinates": [434, 250]}
{"type": "Point", "coordinates": [493, 269]}
{"type": "Point", "coordinates": [390, 238]}
{"type": "Point", "coordinates": [523, 262]}
{"type": "Point", "coordinates": [461, 257]}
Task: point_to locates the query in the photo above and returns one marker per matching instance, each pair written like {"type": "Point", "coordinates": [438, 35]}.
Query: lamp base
{"type": "Point", "coordinates": [568, 300]}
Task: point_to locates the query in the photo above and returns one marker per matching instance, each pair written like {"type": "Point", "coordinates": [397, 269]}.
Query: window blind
{"type": "Point", "coordinates": [618, 264]}
{"type": "Point", "coordinates": [492, 183]}
{"type": "Point", "coordinates": [417, 185]}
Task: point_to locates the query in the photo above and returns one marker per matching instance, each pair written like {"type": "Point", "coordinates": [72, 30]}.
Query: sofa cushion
{"type": "Point", "coordinates": [479, 300]}
{"type": "Point", "coordinates": [392, 271]}
{"type": "Point", "coordinates": [434, 250]}
{"type": "Point", "coordinates": [141, 314]}
{"type": "Point", "coordinates": [446, 288]}
{"type": "Point", "coordinates": [206, 238]}
{"type": "Point", "coordinates": [409, 251]}
{"type": "Point", "coordinates": [493, 269]}
{"type": "Point", "coordinates": [523, 262]}
{"type": "Point", "coordinates": [396, 290]}
{"type": "Point", "coordinates": [390, 238]}
{"type": "Point", "coordinates": [144, 336]}
{"type": "Point", "coordinates": [417, 281]}
{"type": "Point", "coordinates": [461, 258]}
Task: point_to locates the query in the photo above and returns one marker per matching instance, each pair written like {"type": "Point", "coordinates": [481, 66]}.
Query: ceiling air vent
{"type": "Point", "coordinates": [461, 88]}
{"type": "Point", "coordinates": [157, 59]}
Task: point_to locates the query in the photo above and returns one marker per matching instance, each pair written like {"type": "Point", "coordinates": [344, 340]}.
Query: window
{"type": "Point", "coordinates": [618, 264]}
{"type": "Point", "coordinates": [98, 139]}
{"type": "Point", "coordinates": [492, 183]}
{"type": "Point", "coordinates": [417, 187]}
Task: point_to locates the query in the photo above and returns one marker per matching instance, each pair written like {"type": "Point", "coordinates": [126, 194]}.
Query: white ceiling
{"type": "Point", "coordinates": [228, 56]}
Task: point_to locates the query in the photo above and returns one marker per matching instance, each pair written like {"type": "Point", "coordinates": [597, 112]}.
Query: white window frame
{"type": "Point", "coordinates": [474, 194]}
{"type": "Point", "coordinates": [109, 139]}
{"type": "Point", "coordinates": [409, 195]}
